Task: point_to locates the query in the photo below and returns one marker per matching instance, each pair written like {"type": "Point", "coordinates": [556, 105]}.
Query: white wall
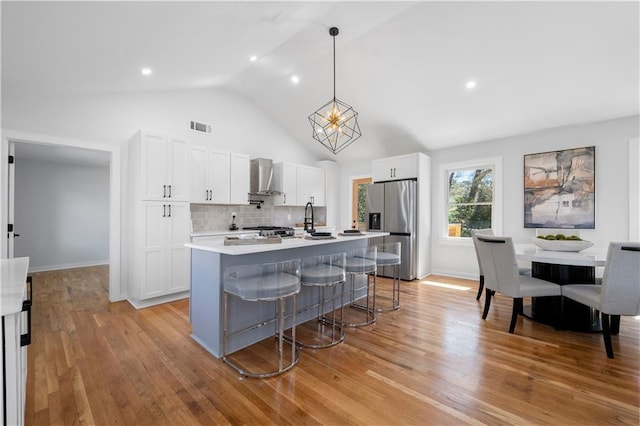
{"type": "Point", "coordinates": [238, 125]}
{"type": "Point", "coordinates": [611, 139]}
{"type": "Point", "coordinates": [61, 214]}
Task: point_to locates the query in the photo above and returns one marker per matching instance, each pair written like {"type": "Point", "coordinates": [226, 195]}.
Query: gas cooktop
{"type": "Point", "coordinates": [266, 231]}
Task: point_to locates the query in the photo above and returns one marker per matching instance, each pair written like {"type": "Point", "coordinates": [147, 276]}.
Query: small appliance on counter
{"type": "Point", "coordinates": [233, 226]}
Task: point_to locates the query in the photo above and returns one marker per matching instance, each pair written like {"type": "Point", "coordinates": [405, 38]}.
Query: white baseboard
{"type": "Point", "coordinates": [455, 274]}
{"type": "Point", "coordinates": [67, 266]}
{"type": "Point", "coordinates": [139, 304]}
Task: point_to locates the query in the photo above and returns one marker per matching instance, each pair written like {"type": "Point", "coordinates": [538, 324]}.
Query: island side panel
{"type": "Point", "coordinates": [205, 301]}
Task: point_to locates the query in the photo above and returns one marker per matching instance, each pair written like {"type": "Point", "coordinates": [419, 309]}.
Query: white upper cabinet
{"type": "Point", "coordinates": [163, 167]}
{"type": "Point", "coordinates": [310, 185]}
{"type": "Point", "coordinates": [218, 177]}
{"type": "Point", "coordinates": [299, 184]}
{"type": "Point", "coordinates": [209, 175]}
{"type": "Point", "coordinates": [395, 168]}
{"type": "Point", "coordinates": [284, 181]}
{"type": "Point", "coordinates": [240, 174]}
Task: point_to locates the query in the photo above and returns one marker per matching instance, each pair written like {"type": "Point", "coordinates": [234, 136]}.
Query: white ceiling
{"type": "Point", "coordinates": [402, 65]}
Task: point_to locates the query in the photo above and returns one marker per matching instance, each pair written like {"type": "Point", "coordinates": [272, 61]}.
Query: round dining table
{"type": "Point", "coordinates": [563, 267]}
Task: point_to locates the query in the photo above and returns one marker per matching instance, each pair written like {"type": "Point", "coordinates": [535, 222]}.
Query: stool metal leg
{"type": "Point", "coordinates": [279, 334]}
{"type": "Point", "coordinates": [395, 291]}
{"type": "Point", "coordinates": [322, 319]}
{"type": "Point", "coordinates": [369, 307]}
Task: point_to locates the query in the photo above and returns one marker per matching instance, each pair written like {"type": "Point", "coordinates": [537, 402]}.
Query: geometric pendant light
{"type": "Point", "coordinates": [335, 124]}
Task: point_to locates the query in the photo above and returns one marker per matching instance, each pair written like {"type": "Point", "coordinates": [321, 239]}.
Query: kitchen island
{"type": "Point", "coordinates": [210, 257]}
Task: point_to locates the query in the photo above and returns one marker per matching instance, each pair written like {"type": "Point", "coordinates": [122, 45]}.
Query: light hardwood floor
{"type": "Point", "coordinates": [435, 361]}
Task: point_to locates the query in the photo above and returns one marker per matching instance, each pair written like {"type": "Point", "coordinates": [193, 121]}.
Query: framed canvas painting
{"type": "Point", "coordinates": [560, 189]}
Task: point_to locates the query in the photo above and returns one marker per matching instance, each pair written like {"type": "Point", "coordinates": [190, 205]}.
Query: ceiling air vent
{"type": "Point", "coordinates": [197, 126]}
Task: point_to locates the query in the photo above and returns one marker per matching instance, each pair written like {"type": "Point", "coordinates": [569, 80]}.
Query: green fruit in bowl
{"type": "Point", "coordinates": [560, 237]}
{"type": "Point", "coordinates": [550, 237]}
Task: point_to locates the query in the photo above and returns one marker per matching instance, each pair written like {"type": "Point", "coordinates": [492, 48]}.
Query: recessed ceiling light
{"type": "Point", "coordinates": [295, 79]}
{"type": "Point", "coordinates": [253, 58]}
{"type": "Point", "coordinates": [146, 71]}
{"type": "Point", "coordinates": [471, 85]}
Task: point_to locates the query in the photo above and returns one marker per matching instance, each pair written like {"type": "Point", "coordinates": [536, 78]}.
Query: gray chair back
{"type": "Point", "coordinates": [474, 232]}
{"type": "Point", "coordinates": [498, 259]}
{"type": "Point", "coordinates": [621, 280]}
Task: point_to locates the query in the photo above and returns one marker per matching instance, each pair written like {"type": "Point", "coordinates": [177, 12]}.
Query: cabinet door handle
{"type": "Point", "coordinates": [25, 339]}
{"type": "Point", "coordinates": [164, 191]}
{"type": "Point", "coordinates": [169, 210]}
{"type": "Point", "coordinates": [169, 191]}
{"type": "Point", "coordinates": [164, 210]}
{"type": "Point", "coordinates": [285, 199]}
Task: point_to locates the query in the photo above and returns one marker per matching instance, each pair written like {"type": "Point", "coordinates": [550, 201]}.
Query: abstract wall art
{"type": "Point", "coordinates": [560, 189]}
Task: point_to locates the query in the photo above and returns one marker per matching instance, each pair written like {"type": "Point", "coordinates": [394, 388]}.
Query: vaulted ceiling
{"type": "Point", "coordinates": [404, 66]}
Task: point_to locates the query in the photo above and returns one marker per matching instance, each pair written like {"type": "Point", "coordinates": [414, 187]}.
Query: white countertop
{"type": "Point", "coordinates": [13, 288]}
{"type": "Point", "coordinates": [216, 245]}
{"type": "Point", "coordinates": [593, 256]}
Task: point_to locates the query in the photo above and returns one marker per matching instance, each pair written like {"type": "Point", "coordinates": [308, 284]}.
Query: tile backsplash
{"type": "Point", "coordinates": [210, 218]}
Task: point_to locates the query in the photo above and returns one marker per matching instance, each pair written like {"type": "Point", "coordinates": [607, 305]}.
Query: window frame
{"type": "Point", "coordinates": [494, 163]}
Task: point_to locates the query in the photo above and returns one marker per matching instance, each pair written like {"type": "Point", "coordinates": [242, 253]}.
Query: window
{"type": "Point", "coordinates": [472, 196]}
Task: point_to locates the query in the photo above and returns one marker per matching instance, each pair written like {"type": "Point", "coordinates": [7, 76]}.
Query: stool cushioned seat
{"type": "Point", "coordinates": [387, 258]}
{"type": "Point", "coordinates": [359, 265]}
{"type": "Point", "coordinates": [322, 274]}
{"type": "Point", "coordinates": [264, 287]}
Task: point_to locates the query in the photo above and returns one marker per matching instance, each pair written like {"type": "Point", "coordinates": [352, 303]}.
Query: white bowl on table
{"type": "Point", "coordinates": [562, 245]}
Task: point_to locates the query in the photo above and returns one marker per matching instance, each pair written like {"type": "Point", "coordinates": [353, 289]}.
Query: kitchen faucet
{"type": "Point", "coordinates": [308, 221]}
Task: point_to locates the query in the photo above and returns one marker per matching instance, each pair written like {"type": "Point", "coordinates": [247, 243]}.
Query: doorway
{"type": "Point", "coordinates": [359, 203]}
{"type": "Point", "coordinates": [117, 291]}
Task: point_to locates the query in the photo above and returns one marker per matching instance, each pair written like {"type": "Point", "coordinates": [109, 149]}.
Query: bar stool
{"type": "Point", "coordinates": [266, 282]}
{"type": "Point", "coordinates": [322, 272]}
{"type": "Point", "coordinates": [362, 261]}
{"type": "Point", "coordinates": [389, 256]}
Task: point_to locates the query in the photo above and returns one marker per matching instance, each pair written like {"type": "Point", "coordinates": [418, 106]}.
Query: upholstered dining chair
{"type": "Point", "coordinates": [619, 293]}
{"type": "Point", "coordinates": [488, 231]}
{"type": "Point", "coordinates": [498, 259]}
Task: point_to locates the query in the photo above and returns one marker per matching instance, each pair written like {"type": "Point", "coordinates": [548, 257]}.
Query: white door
{"type": "Point", "coordinates": [239, 179]}
{"type": "Point", "coordinates": [154, 166]}
{"type": "Point", "coordinates": [177, 163]}
{"type": "Point", "coordinates": [153, 266]}
{"type": "Point", "coordinates": [198, 189]}
{"type": "Point", "coordinates": [177, 255]}
{"type": "Point", "coordinates": [219, 174]}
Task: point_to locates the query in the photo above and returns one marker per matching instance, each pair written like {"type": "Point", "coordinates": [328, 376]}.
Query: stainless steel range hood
{"type": "Point", "coordinates": [261, 182]}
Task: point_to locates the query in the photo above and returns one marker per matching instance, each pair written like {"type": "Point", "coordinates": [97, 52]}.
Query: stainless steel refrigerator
{"type": "Point", "coordinates": [392, 207]}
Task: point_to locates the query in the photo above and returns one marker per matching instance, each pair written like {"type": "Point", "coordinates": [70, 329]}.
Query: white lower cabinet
{"type": "Point", "coordinates": [161, 267]}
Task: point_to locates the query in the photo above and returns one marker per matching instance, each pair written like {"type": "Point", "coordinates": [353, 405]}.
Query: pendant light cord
{"type": "Point", "coordinates": [334, 67]}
